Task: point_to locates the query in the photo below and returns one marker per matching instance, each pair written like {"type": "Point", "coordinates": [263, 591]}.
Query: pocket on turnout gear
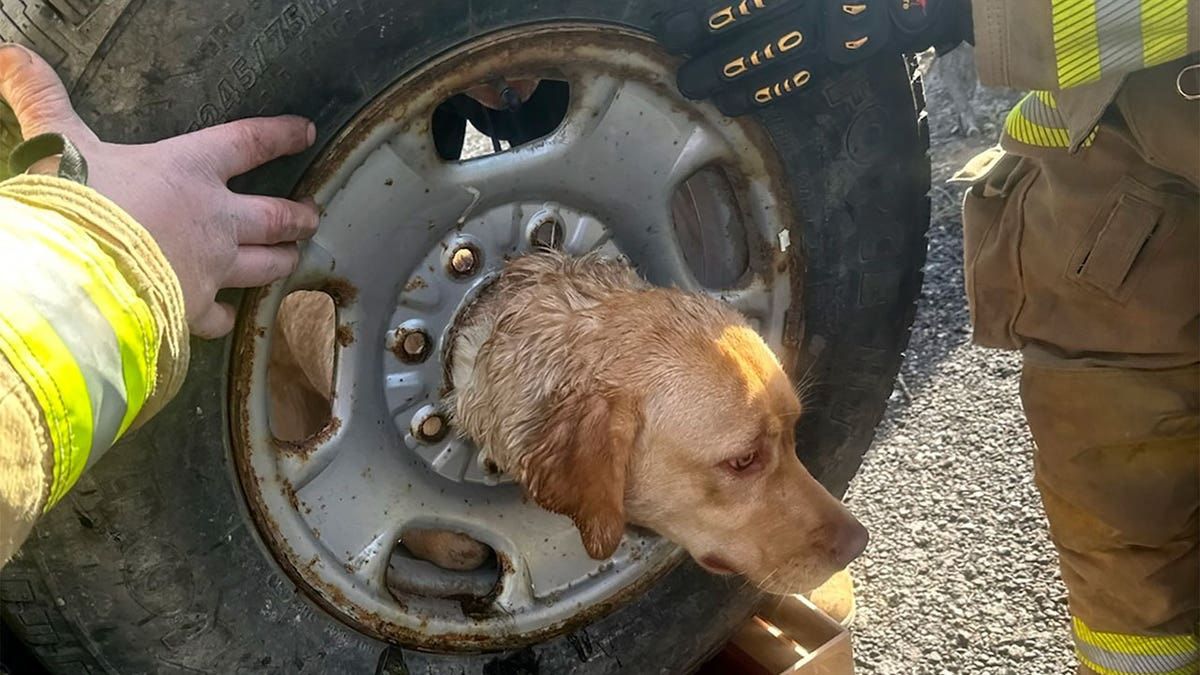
{"type": "Point", "coordinates": [1122, 235]}
{"type": "Point", "coordinates": [1111, 272]}
{"type": "Point", "coordinates": [992, 231]}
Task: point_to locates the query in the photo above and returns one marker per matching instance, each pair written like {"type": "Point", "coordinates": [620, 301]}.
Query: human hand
{"type": "Point", "coordinates": [748, 54]}
{"type": "Point", "coordinates": [176, 189]}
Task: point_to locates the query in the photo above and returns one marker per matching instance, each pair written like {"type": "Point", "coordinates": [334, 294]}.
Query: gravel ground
{"type": "Point", "coordinates": [960, 575]}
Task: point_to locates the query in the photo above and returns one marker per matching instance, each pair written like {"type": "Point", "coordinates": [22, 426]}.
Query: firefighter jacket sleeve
{"type": "Point", "coordinates": [1058, 44]}
{"type": "Point", "coordinates": [93, 340]}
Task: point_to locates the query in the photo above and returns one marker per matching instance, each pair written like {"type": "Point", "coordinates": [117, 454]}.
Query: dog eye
{"type": "Point", "coordinates": [740, 464]}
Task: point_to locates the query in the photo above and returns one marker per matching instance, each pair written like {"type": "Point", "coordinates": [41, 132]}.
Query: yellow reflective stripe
{"type": "Point", "coordinates": [1032, 129]}
{"type": "Point", "coordinates": [1136, 644]}
{"type": "Point", "coordinates": [87, 344]}
{"type": "Point", "coordinates": [1124, 654]}
{"type": "Point", "coordinates": [1096, 38]}
{"type": "Point", "coordinates": [127, 314]}
{"type": "Point", "coordinates": [1036, 121]}
{"type": "Point", "coordinates": [1164, 30]}
{"type": "Point", "coordinates": [46, 365]}
{"type": "Point", "coordinates": [1186, 670]}
{"type": "Point", "coordinates": [54, 287]}
{"type": "Point", "coordinates": [1076, 42]}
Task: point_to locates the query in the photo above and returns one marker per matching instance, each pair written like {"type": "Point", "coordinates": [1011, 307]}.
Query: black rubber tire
{"type": "Point", "coordinates": [152, 564]}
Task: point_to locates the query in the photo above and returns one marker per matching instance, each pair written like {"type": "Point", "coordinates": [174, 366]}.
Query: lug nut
{"type": "Point", "coordinates": [410, 345]}
{"type": "Point", "coordinates": [464, 261]}
{"type": "Point", "coordinates": [432, 429]}
{"type": "Point", "coordinates": [415, 344]}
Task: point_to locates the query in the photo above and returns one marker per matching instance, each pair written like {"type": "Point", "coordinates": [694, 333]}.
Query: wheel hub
{"type": "Point", "coordinates": [441, 287]}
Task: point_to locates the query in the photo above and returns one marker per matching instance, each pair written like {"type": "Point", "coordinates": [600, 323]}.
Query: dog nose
{"type": "Point", "coordinates": [849, 542]}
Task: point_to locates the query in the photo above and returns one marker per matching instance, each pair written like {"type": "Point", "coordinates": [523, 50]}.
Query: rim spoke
{"type": "Point", "coordinates": [364, 232]}
{"type": "Point", "coordinates": [352, 513]}
{"type": "Point", "coordinates": [753, 300]}
{"type": "Point", "coordinates": [454, 459]}
{"type": "Point", "coordinates": [315, 266]}
{"type": "Point", "coordinates": [362, 430]}
{"type": "Point", "coordinates": [370, 564]}
{"type": "Point", "coordinates": [549, 562]}
{"type": "Point", "coordinates": [618, 153]}
{"type": "Point", "coordinates": [516, 591]}
{"type": "Point", "coordinates": [358, 436]}
{"type": "Point", "coordinates": [638, 173]}
{"type": "Point", "coordinates": [405, 392]}
{"type": "Point", "coordinates": [588, 235]}
{"type": "Point", "coordinates": [628, 147]}
{"type": "Point", "coordinates": [545, 556]}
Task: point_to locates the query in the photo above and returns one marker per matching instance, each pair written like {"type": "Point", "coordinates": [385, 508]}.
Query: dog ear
{"type": "Point", "coordinates": [578, 465]}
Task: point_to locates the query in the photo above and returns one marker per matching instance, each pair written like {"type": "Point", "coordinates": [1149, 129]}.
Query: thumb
{"type": "Point", "coordinates": [214, 322]}
{"type": "Point", "coordinates": [37, 96]}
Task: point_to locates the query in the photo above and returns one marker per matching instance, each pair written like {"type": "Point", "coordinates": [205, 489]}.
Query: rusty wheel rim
{"type": "Point", "coordinates": [332, 509]}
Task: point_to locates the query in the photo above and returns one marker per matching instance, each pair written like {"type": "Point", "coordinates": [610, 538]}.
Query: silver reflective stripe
{"type": "Point", "coordinates": [1119, 35]}
{"type": "Point", "coordinates": [1141, 664]}
{"type": "Point", "coordinates": [52, 286]}
{"type": "Point", "coordinates": [1034, 109]}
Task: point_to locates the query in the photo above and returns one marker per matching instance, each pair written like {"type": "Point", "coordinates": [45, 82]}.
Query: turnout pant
{"type": "Point", "coordinates": [1088, 263]}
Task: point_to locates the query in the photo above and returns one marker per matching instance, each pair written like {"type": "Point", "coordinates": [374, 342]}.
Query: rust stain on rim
{"type": "Point", "coordinates": [305, 446]}
{"type": "Point", "coordinates": [342, 292]}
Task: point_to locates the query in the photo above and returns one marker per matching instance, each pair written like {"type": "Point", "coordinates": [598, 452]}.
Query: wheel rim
{"type": "Point", "coordinates": [332, 508]}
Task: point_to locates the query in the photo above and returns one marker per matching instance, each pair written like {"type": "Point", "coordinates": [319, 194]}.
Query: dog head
{"type": "Point", "coordinates": [690, 433]}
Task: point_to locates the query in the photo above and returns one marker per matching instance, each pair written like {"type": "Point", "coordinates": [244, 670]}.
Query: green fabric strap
{"type": "Point", "coordinates": [72, 166]}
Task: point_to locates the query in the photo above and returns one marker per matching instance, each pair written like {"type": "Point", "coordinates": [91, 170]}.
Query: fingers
{"type": "Point", "coordinates": [261, 265]}
{"type": "Point", "coordinates": [238, 147]}
{"type": "Point", "coordinates": [253, 266]}
{"type": "Point", "coordinates": [272, 220]}
{"type": "Point", "coordinates": [214, 322]}
{"type": "Point", "coordinates": [37, 96]}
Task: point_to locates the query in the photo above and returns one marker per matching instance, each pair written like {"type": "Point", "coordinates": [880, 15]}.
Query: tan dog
{"type": "Point", "coordinates": [615, 402]}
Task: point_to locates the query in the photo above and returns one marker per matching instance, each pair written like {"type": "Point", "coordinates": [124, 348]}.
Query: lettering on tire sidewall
{"type": "Point", "coordinates": [252, 77]}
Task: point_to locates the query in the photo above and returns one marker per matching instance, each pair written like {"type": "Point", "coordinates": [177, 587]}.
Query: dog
{"type": "Point", "coordinates": [615, 403]}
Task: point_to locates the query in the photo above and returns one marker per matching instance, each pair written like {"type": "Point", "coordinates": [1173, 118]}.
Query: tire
{"type": "Point", "coordinates": [152, 563]}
